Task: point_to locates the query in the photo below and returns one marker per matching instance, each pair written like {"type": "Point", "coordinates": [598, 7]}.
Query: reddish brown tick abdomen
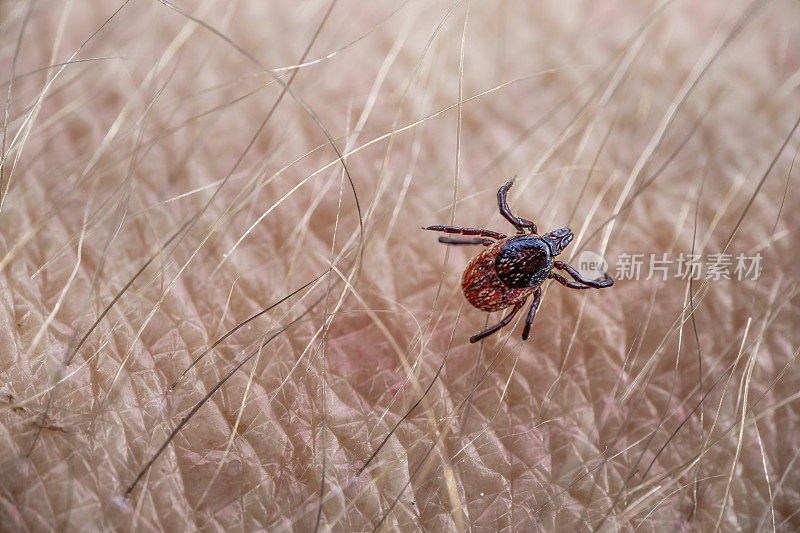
{"type": "Point", "coordinates": [484, 289]}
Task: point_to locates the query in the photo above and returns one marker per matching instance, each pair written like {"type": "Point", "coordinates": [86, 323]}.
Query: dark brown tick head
{"type": "Point", "coordinates": [558, 239]}
{"type": "Point", "coordinates": [523, 261]}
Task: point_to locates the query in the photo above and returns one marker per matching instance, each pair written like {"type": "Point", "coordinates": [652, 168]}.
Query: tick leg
{"type": "Point", "coordinates": [597, 284]}
{"type": "Point", "coordinates": [532, 311]}
{"type": "Point", "coordinates": [505, 321]}
{"type": "Point", "coordinates": [467, 231]}
{"type": "Point", "coordinates": [477, 240]}
{"type": "Point", "coordinates": [517, 222]}
{"type": "Point", "coordinates": [566, 282]}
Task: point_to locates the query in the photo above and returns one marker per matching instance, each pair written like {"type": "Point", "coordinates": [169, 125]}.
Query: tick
{"type": "Point", "coordinates": [512, 269]}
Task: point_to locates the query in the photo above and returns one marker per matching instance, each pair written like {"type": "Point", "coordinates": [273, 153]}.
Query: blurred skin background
{"type": "Point", "coordinates": [171, 170]}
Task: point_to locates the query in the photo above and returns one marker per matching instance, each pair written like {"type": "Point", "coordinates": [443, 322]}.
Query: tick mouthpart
{"type": "Point", "coordinates": [558, 239]}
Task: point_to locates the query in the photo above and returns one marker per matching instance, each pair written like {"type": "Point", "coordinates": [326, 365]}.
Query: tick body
{"type": "Point", "coordinates": [512, 269]}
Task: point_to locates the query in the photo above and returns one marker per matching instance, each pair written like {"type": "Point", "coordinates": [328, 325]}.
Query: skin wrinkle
{"type": "Point", "coordinates": [643, 126]}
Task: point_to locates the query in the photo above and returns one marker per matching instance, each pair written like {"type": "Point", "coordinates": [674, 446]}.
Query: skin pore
{"type": "Point", "coordinates": [218, 310]}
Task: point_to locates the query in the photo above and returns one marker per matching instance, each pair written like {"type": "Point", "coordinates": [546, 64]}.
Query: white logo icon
{"type": "Point", "coordinates": [591, 265]}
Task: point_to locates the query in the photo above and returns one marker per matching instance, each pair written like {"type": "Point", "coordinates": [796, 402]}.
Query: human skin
{"type": "Point", "coordinates": [159, 182]}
